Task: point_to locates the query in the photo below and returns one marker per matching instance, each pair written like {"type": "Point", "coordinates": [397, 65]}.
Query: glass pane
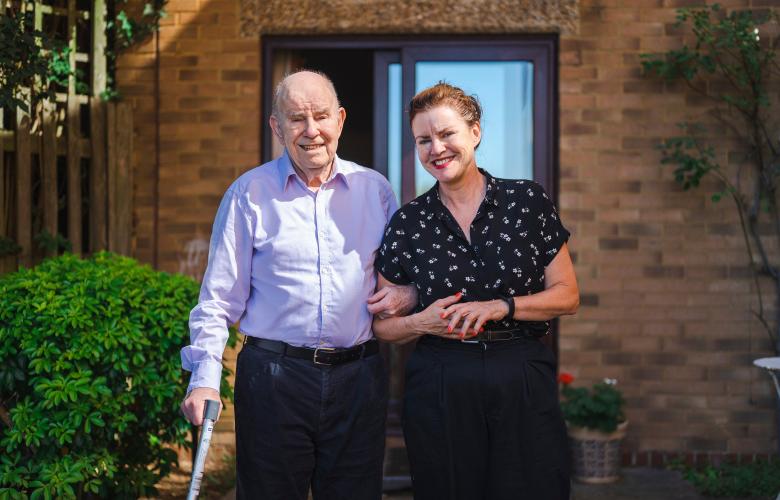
{"type": "Point", "coordinates": [505, 90]}
{"type": "Point", "coordinates": [395, 110]}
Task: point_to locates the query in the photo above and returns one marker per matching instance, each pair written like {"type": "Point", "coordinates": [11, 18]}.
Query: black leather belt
{"type": "Point", "coordinates": [327, 356]}
{"type": "Point", "coordinates": [500, 335]}
{"type": "Point", "coordinates": [488, 336]}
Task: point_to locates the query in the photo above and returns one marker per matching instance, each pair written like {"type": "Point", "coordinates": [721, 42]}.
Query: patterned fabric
{"type": "Point", "coordinates": [514, 236]}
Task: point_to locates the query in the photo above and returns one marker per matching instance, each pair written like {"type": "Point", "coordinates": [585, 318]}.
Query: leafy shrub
{"type": "Point", "coordinates": [735, 480]}
{"type": "Point", "coordinates": [599, 408]}
{"type": "Point", "coordinates": [90, 377]}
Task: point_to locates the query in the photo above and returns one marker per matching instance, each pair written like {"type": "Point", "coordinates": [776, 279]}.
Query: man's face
{"type": "Point", "coordinates": [309, 122]}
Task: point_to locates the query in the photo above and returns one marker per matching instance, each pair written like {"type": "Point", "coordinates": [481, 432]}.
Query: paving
{"type": "Point", "coordinates": [636, 483]}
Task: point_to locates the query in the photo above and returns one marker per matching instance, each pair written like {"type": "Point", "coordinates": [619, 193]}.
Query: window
{"type": "Point", "coordinates": [514, 78]}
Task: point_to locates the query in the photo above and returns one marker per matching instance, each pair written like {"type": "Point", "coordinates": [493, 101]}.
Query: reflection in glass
{"type": "Point", "coordinates": [505, 91]}
{"type": "Point", "coordinates": [394, 115]}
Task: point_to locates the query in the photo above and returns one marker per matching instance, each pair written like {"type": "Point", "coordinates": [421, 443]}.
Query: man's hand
{"type": "Point", "coordinates": [193, 405]}
{"type": "Point", "coordinates": [392, 301]}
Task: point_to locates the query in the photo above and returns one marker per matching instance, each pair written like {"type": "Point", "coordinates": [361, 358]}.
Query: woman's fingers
{"type": "Point", "coordinates": [468, 319]}
{"type": "Point", "coordinates": [448, 301]}
{"type": "Point", "coordinates": [479, 325]}
{"type": "Point", "coordinates": [454, 320]}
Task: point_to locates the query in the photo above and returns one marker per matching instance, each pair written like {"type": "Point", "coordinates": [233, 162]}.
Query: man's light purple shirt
{"type": "Point", "coordinates": [290, 264]}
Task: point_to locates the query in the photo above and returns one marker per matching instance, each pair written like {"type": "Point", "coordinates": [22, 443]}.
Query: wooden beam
{"type": "Point", "coordinates": [98, 47]}
{"type": "Point", "coordinates": [6, 195]}
{"type": "Point", "coordinates": [74, 134]}
{"type": "Point", "coordinates": [49, 195]}
{"type": "Point", "coordinates": [97, 177]}
{"type": "Point", "coordinates": [111, 182]}
{"type": "Point", "coordinates": [23, 188]}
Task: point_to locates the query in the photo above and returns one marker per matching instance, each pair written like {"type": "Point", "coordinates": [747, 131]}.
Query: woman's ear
{"type": "Point", "coordinates": [476, 134]}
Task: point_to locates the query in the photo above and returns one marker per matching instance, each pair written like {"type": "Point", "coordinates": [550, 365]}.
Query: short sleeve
{"type": "Point", "coordinates": [551, 233]}
{"type": "Point", "coordinates": [394, 252]}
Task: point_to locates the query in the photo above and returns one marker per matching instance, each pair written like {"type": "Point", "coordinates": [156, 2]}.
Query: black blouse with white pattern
{"type": "Point", "coordinates": [514, 236]}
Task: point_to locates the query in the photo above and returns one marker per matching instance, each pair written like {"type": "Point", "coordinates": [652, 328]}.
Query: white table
{"type": "Point", "coordinates": [771, 365]}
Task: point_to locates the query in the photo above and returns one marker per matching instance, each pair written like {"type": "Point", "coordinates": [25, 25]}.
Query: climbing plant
{"type": "Point", "coordinates": [730, 63]}
{"type": "Point", "coordinates": [33, 62]}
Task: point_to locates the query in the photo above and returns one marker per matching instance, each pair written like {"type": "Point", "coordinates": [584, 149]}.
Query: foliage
{"type": "Point", "coordinates": [8, 247]}
{"type": "Point", "coordinates": [731, 65]}
{"type": "Point", "coordinates": [26, 56]}
{"type": "Point", "coordinates": [90, 377]}
{"type": "Point", "coordinates": [734, 480]}
{"type": "Point", "coordinates": [37, 62]}
{"type": "Point", "coordinates": [52, 243]}
{"type": "Point", "coordinates": [127, 31]}
{"type": "Point", "coordinates": [599, 408]}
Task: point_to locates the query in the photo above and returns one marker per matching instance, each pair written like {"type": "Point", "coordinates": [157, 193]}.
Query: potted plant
{"type": "Point", "coordinates": [596, 425]}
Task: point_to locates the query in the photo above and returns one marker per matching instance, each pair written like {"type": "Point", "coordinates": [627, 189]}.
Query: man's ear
{"type": "Point", "coordinates": [342, 117]}
{"type": "Point", "coordinates": [276, 127]}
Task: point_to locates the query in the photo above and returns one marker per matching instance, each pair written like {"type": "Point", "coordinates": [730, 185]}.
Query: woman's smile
{"type": "Point", "coordinates": [442, 163]}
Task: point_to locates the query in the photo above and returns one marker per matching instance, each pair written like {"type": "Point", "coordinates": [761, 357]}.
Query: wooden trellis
{"type": "Point", "coordinates": [70, 158]}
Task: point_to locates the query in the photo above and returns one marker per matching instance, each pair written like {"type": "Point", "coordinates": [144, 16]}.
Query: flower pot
{"type": "Point", "coordinates": [596, 454]}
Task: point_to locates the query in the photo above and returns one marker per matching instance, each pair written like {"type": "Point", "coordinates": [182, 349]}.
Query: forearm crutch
{"type": "Point", "coordinates": [210, 413]}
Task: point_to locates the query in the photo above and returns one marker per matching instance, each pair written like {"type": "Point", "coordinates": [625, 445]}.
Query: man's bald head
{"type": "Point", "coordinates": [303, 77]}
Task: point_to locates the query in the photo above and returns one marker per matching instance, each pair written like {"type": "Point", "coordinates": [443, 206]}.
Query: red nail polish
{"type": "Point", "coordinates": [481, 329]}
{"type": "Point", "coordinates": [443, 315]}
{"type": "Point", "coordinates": [458, 294]}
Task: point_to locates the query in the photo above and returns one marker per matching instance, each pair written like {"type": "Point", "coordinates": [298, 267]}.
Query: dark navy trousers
{"type": "Point", "coordinates": [482, 421]}
{"type": "Point", "coordinates": [301, 425]}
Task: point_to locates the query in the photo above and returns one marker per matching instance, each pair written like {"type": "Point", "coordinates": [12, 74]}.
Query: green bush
{"type": "Point", "coordinates": [90, 377]}
{"type": "Point", "coordinates": [760, 478]}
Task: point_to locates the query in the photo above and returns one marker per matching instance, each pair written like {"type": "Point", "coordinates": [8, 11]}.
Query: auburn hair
{"type": "Point", "coordinates": [444, 94]}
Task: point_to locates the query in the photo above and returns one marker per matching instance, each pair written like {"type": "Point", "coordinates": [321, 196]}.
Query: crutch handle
{"type": "Point", "coordinates": [210, 413]}
{"type": "Point", "coordinates": [211, 410]}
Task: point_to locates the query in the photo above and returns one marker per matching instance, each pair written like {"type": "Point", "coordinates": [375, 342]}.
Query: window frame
{"type": "Point", "coordinates": [540, 49]}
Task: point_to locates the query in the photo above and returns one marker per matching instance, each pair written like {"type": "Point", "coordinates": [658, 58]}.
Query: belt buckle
{"type": "Point", "coordinates": [317, 351]}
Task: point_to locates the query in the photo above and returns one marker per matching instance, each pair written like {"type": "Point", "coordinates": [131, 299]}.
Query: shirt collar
{"type": "Point", "coordinates": [492, 194]}
{"type": "Point", "coordinates": [287, 173]}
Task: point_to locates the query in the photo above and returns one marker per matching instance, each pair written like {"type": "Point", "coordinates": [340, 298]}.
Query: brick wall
{"type": "Point", "coordinates": [665, 289]}
{"type": "Point", "coordinates": [209, 119]}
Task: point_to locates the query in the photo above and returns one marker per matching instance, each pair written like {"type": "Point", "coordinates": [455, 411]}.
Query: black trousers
{"type": "Point", "coordinates": [482, 421]}
{"type": "Point", "coordinates": [301, 425]}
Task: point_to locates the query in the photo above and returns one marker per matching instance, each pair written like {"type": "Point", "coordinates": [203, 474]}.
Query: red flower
{"type": "Point", "coordinates": [565, 378]}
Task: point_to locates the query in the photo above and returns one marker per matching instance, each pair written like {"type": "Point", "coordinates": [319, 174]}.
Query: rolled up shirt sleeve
{"type": "Point", "coordinates": [223, 294]}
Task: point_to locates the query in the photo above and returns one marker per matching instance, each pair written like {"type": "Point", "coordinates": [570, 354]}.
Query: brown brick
{"type": "Point", "coordinates": [663, 271]}
{"type": "Point", "coordinates": [239, 75]}
{"type": "Point", "coordinates": [707, 444]}
{"type": "Point", "coordinates": [618, 243]}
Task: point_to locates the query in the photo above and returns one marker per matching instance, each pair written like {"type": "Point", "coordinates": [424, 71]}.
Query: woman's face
{"type": "Point", "coordinates": [445, 143]}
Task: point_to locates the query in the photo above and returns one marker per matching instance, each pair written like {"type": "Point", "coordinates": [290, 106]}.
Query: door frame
{"type": "Point", "coordinates": [541, 49]}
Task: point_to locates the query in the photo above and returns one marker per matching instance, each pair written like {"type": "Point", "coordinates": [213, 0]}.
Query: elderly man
{"type": "Point", "coordinates": [291, 257]}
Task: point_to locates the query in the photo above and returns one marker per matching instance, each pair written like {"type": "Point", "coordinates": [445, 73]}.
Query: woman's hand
{"type": "Point", "coordinates": [471, 316]}
{"type": "Point", "coordinates": [432, 320]}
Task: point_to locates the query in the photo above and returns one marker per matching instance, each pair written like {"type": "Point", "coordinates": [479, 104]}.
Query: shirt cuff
{"type": "Point", "coordinates": [205, 374]}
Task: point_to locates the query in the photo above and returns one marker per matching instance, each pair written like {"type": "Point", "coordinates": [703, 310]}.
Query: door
{"type": "Point", "coordinates": [514, 78]}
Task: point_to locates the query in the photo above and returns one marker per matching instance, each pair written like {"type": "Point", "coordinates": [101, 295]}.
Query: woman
{"type": "Point", "coordinates": [489, 259]}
